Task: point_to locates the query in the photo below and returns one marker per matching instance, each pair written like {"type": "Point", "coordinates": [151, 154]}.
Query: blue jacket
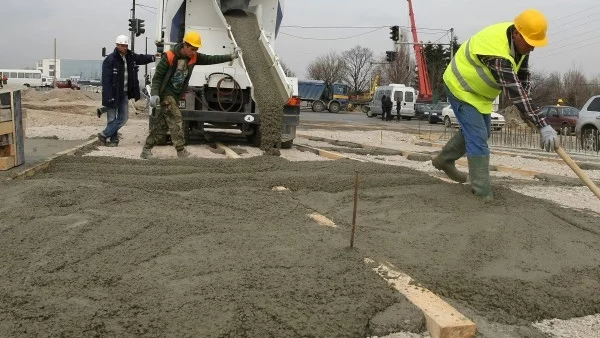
{"type": "Point", "coordinates": [113, 77]}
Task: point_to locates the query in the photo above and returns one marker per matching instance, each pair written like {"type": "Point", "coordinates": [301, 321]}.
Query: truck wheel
{"type": "Point", "coordinates": [447, 122]}
{"type": "Point", "coordinates": [254, 139]}
{"type": "Point", "coordinates": [287, 144]}
{"type": "Point", "coordinates": [334, 107]}
{"type": "Point", "coordinates": [318, 106]}
{"type": "Point", "coordinates": [366, 110]}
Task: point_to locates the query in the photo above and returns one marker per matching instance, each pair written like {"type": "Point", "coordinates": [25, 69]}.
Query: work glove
{"type": "Point", "coordinates": [549, 139]}
{"type": "Point", "coordinates": [154, 100]}
{"type": "Point", "coordinates": [236, 53]}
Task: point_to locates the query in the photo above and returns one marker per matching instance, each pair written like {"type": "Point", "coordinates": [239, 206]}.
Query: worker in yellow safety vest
{"type": "Point", "coordinates": [492, 61]}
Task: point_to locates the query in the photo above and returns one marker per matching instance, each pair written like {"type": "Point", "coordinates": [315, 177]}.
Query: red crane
{"type": "Point", "coordinates": [425, 94]}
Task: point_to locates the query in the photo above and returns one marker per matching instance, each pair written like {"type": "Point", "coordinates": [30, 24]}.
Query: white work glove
{"type": "Point", "coordinates": [154, 100]}
{"type": "Point", "coordinates": [236, 53]}
{"type": "Point", "coordinates": [549, 139]}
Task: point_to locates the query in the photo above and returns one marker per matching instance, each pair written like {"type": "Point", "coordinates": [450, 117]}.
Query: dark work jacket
{"type": "Point", "coordinates": [113, 77]}
{"type": "Point", "coordinates": [387, 103]}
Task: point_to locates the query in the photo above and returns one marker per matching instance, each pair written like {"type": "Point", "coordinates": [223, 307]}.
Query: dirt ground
{"type": "Point", "coordinates": [107, 246]}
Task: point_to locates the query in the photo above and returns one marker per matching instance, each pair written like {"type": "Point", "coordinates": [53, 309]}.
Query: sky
{"type": "Point", "coordinates": [82, 27]}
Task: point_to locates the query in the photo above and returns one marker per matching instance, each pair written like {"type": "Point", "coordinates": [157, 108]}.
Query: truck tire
{"type": "Point", "coordinates": [334, 107]}
{"type": "Point", "coordinates": [254, 139]}
{"type": "Point", "coordinates": [287, 144]}
{"type": "Point", "coordinates": [318, 106]}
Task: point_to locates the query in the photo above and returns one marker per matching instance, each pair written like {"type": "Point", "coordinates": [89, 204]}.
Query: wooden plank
{"type": "Point", "coordinates": [442, 320]}
{"type": "Point", "coordinates": [7, 162]}
{"type": "Point", "coordinates": [19, 138]}
{"type": "Point", "coordinates": [7, 128]}
{"type": "Point", "coordinates": [5, 114]}
{"type": "Point", "coordinates": [228, 152]}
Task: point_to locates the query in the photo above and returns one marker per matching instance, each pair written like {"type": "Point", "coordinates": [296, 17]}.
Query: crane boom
{"type": "Point", "coordinates": [425, 93]}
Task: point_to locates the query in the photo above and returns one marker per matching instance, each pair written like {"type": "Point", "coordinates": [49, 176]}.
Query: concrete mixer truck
{"type": "Point", "coordinates": [223, 96]}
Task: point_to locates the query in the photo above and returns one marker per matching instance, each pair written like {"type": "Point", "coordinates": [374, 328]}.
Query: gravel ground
{"type": "Point", "coordinates": [487, 307]}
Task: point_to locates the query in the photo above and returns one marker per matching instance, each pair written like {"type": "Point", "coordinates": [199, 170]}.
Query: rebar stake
{"type": "Point", "coordinates": [356, 181]}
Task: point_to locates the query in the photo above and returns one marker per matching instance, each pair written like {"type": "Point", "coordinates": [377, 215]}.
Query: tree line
{"type": "Point", "coordinates": [358, 66]}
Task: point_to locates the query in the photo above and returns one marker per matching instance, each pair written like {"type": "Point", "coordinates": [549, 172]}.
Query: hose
{"type": "Point", "coordinates": [235, 92]}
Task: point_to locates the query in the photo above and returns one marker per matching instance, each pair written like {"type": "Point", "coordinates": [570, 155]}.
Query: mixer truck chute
{"type": "Point", "coordinates": [223, 96]}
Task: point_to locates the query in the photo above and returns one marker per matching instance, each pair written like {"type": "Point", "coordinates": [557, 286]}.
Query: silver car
{"type": "Point", "coordinates": [588, 124]}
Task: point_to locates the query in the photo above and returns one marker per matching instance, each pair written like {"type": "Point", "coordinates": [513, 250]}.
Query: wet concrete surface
{"type": "Point", "coordinates": [37, 150]}
{"type": "Point", "coordinates": [105, 246]}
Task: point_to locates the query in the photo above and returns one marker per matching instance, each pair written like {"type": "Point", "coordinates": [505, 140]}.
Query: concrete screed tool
{"type": "Point", "coordinates": [582, 175]}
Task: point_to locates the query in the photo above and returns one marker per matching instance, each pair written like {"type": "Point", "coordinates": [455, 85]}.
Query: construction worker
{"type": "Point", "coordinates": [119, 84]}
{"type": "Point", "coordinates": [492, 61]}
{"type": "Point", "coordinates": [169, 82]}
{"type": "Point", "coordinates": [559, 103]}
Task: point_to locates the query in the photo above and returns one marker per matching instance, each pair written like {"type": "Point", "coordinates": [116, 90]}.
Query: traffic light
{"type": "Point", "coordinates": [395, 33]}
{"type": "Point", "coordinates": [390, 56]}
{"type": "Point", "coordinates": [132, 25]}
{"type": "Point", "coordinates": [140, 27]}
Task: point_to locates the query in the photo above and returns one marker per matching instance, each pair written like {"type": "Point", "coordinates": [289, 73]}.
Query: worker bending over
{"type": "Point", "coordinates": [492, 61]}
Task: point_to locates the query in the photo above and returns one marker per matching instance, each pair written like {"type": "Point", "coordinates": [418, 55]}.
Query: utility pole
{"type": "Point", "coordinates": [132, 47]}
{"type": "Point", "coordinates": [55, 65]}
{"type": "Point", "coordinates": [146, 66]}
{"type": "Point", "coordinates": [451, 43]}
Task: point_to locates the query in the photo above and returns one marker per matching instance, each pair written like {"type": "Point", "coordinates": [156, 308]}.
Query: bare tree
{"type": "Point", "coordinates": [288, 72]}
{"type": "Point", "coordinates": [359, 68]}
{"type": "Point", "coordinates": [330, 68]}
{"type": "Point", "coordinates": [576, 89]}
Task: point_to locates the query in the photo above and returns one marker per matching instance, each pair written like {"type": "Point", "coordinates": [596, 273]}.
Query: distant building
{"type": "Point", "coordinates": [71, 69]}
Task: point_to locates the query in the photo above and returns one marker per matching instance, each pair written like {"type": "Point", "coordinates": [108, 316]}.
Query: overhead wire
{"type": "Point", "coordinates": [332, 39]}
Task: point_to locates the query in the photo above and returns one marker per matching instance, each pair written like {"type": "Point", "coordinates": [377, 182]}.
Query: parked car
{"type": "Point", "coordinates": [588, 124]}
{"type": "Point", "coordinates": [420, 109]}
{"type": "Point", "coordinates": [434, 114]}
{"type": "Point", "coordinates": [497, 120]}
{"type": "Point", "coordinates": [562, 118]}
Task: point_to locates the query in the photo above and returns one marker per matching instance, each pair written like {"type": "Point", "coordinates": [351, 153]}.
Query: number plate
{"type": "Point", "coordinates": [182, 104]}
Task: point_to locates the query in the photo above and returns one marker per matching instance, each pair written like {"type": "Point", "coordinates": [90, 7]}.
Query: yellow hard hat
{"type": "Point", "coordinates": [560, 101]}
{"type": "Point", "coordinates": [532, 25]}
{"type": "Point", "coordinates": [193, 38]}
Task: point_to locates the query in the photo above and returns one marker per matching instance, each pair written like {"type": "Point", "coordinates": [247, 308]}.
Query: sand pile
{"type": "Point", "coordinates": [57, 95]}
{"type": "Point", "coordinates": [513, 118]}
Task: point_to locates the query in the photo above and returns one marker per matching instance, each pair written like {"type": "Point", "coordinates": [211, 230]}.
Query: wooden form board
{"type": "Point", "coordinates": [12, 136]}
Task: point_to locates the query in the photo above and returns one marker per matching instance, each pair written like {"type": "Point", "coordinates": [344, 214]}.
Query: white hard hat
{"type": "Point", "coordinates": [122, 40]}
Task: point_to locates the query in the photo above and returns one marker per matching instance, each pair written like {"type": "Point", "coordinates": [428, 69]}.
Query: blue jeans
{"type": "Point", "coordinates": [475, 126]}
{"type": "Point", "coordinates": [116, 119]}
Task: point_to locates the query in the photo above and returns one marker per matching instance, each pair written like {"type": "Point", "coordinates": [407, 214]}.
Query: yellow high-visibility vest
{"type": "Point", "coordinates": [468, 78]}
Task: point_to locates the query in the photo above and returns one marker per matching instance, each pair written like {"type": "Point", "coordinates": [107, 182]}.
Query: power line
{"type": "Point", "coordinates": [146, 6]}
{"type": "Point", "coordinates": [359, 27]}
{"type": "Point", "coordinates": [332, 39]}
{"type": "Point", "coordinates": [565, 50]}
{"type": "Point", "coordinates": [147, 10]}
{"type": "Point", "coordinates": [573, 14]}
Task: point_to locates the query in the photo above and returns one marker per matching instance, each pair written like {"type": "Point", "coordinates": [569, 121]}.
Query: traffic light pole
{"type": "Point", "coordinates": [132, 42]}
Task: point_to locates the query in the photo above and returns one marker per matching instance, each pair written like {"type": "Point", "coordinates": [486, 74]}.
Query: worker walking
{"type": "Point", "coordinates": [119, 84]}
{"type": "Point", "coordinates": [492, 61]}
{"type": "Point", "coordinates": [560, 103]}
{"type": "Point", "coordinates": [399, 107]}
{"type": "Point", "coordinates": [387, 106]}
{"type": "Point", "coordinates": [169, 82]}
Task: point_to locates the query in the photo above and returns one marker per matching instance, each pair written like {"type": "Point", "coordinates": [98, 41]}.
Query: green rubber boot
{"type": "Point", "coordinates": [452, 151]}
{"type": "Point", "coordinates": [479, 173]}
{"type": "Point", "coordinates": [146, 153]}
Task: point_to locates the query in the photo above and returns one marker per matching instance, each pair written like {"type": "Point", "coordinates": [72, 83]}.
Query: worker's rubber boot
{"type": "Point", "coordinates": [479, 174]}
{"type": "Point", "coordinates": [183, 153]}
{"type": "Point", "coordinates": [452, 151]}
{"type": "Point", "coordinates": [146, 153]}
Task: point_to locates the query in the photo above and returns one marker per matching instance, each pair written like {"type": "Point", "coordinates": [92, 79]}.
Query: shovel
{"type": "Point", "coordinates": [582, 175]}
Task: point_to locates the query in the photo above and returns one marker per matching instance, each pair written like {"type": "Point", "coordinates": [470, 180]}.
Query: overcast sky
{"type": "Point", "coordinates": [83, 27]}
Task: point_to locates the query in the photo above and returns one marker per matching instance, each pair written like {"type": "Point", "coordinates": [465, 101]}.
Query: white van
{"type": "Point", "coordinates": [396, 91]}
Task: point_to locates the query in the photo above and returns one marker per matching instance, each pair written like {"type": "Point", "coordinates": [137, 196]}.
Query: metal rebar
{"type": "Point", "coordinates": [356, 181]}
